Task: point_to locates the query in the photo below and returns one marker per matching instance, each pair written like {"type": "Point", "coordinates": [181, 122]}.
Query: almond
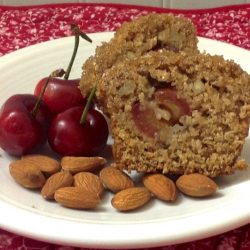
{"type": "Point", "coordinates": [90, 182]}
{"type": "Point", "coordinates": [196, 185]}
{"type": "Point", "coordinates": [130, 198]}
{"type": "Point", "coordinates": [54, 182]}
{"type": "Point", "coordinates": [45, 163]}
{"type": "Point", "coordinates": [76, 197]}
{"type": "Point", "coordinates": [115, 179]}
{"type": "Point", "coordinates": [26, 174]}
{"type": "Point", "coordinates": [161, 186]}
{"type": "Point", "coordinates": [80, 164]}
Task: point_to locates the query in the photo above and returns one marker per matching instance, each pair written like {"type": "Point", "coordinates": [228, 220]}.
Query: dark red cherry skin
{"type": "Point", "coordinates": [67, 136]}
{"type": "Point", "coordinates": [177, 106]}
{"type": "Point", "coordinates": [20, 131]}
{"type": "Point", "coordinates": [60, 94]}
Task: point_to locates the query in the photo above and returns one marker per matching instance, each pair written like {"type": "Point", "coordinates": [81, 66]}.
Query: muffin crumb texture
{"type": "Point", "coordinates": [172, 109]}
{"type": "Point", "coordinates": [133, 39]}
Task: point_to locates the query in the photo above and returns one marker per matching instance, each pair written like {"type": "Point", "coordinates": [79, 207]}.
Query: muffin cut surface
{"type": "Point", "coordinates": [177, 113]}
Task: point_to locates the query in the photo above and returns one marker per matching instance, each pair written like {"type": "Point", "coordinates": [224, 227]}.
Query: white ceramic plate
{"type": "Point", "coordinates": [25, 212]}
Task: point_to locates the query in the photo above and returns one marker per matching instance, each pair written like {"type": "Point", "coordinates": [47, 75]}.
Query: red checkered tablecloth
{"type": "Point", "coordinates": [24, 26]}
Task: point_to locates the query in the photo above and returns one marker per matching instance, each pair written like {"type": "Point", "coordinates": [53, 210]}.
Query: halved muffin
{"type": "Point", "coordinates": [177, 113]}
{"type": "Point", "coordinates": [135, 38]}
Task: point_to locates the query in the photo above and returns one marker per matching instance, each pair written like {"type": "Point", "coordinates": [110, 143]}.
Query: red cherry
{"type": "Point", "coordinates": [21, 131]}
{"type": "Point", "coordinates": [144, 114]}
{"type": "Point", "coordinates": [67, 136]}
{"type": "Point", "coordinates": [145, 119]}
{"type": "Point", "coordinates": [177, 106]}
{"type": "Point", "coordinates": [60, 94]}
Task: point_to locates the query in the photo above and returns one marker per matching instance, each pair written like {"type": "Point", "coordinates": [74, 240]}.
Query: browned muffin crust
{"type": "Point", "coordinates": [134, 39]}
{"type": "Point", "coordinates": [207, 140]}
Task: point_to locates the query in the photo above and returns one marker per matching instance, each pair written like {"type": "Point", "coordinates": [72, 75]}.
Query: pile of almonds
{"type": "Point", "coordinates": [80, 182]}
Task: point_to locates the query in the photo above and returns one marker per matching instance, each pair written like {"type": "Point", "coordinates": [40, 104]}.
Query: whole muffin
{"type": "Point", "coordinates": [135, 38]}
{"type": "Point", "coordinates": [177, 113]}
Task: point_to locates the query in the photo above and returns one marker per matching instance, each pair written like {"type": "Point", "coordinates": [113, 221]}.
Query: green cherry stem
{"type": "Point", "coordinates": [87, 106]}
{"type": "Point", "coordinates": [78, 33]}
{"type": "Point", "coordinates": [66, 76]}
{"type": "Point", "coordinates": [56, 73]}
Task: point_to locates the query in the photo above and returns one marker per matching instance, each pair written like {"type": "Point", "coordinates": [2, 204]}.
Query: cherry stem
{"type": "Point", "coordinates": [78, 33]}
{"type": "Point", "coordinates": [87, 106]}
{"type": "Point", "coordinates": [56, 73]}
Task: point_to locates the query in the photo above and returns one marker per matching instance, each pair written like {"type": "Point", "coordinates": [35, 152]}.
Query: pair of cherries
{"type": "Point", "coordinates": [56, 112]}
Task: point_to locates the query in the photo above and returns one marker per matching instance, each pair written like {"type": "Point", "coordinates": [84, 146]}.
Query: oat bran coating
{"type": "Point", "coordinates": [178, 113]}
{"type": "Point", "coordinates": [135, 38]}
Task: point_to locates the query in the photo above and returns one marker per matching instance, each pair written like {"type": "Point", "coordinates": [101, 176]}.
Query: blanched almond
{"type": "Point", "coordinates": [54, 182]}
{"type": "Point", "coordinates": [115, 179]}
{"type": "Point", "coordinates": [26, 174]}
{"type": "Point", "coordinates": [161, 186]}
{"type": "Point", "coordinates": [89, 182]}
{"type": "Point", "coordinates": [130, 198]}
{"type": "Point", "coordinates": [81, 164]}
{"type": "Point", "coordinates": [76, 197]}
{"type": "Point", "coordinates": [196, 185]}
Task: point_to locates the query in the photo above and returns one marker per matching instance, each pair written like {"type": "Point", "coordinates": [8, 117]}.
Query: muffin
{"type": "Point", "coordinates": [135, 38]}
{"type": "Point", "coordinates": [177, 113]}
